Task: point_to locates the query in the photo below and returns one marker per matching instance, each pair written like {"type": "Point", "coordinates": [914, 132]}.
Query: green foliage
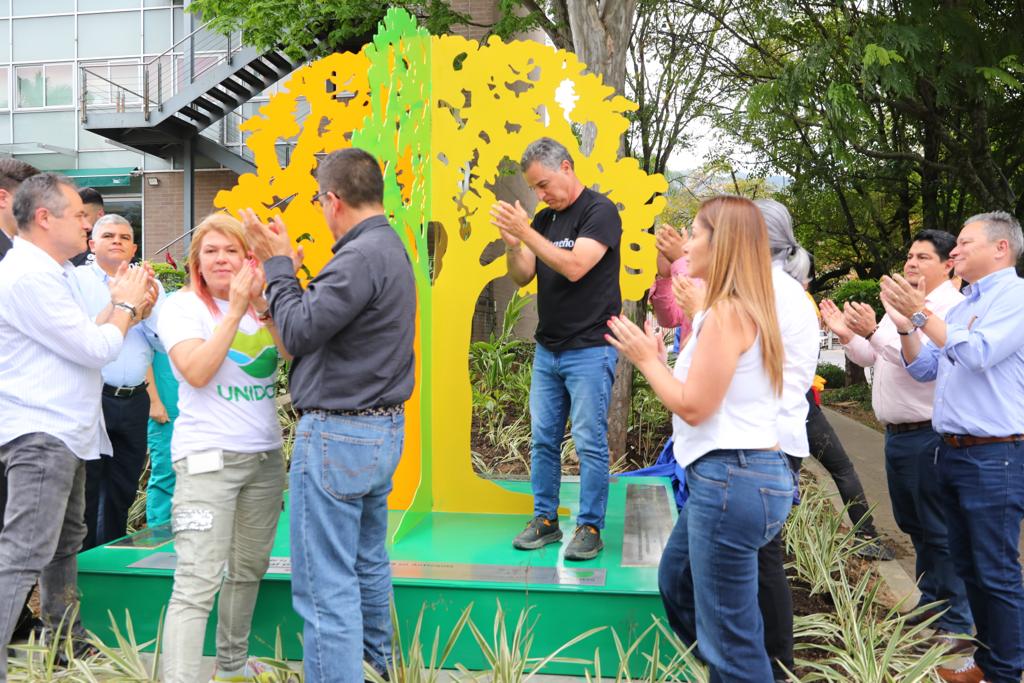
{"type": "Point", "coordinates": [834, 375]}
{"type": "Point", "coordinates": [856, 393]}
{"type": "Point", "coordinates": [170, 277]}
{"type": "Point", "coordinates": [862, 291]}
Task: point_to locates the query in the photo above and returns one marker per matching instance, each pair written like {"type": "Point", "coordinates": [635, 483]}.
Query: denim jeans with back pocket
{"type": "Point", "coordinates": [738, 501]}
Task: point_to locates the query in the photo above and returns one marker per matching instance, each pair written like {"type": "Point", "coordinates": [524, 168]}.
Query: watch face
{"type": "Point", "coordinates": [919, 319]}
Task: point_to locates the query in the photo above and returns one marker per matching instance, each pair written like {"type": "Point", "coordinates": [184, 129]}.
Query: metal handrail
{"type": "Point", "coordinates": [158, 87]}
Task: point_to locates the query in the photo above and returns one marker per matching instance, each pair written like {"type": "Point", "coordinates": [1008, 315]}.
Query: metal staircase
{"type": "Point", "coordinates": [178, 103]}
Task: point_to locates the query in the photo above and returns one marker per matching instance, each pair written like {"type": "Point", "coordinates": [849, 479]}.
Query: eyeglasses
{"type": "Point", "coordinates": [318, 195]}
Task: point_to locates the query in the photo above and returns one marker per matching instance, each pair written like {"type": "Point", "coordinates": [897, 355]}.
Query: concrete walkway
{"type": "Point", "coordinates": [865, 446]}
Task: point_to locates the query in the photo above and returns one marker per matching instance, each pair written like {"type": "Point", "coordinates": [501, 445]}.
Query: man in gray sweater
{"type": "Point", "coordinates": [351, 334]}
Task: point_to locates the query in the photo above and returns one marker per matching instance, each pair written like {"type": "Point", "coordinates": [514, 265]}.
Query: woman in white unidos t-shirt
{"type": "Point", "coordinates": [226, 451]}
{"type": "Point", "coordinates": [725, 399]}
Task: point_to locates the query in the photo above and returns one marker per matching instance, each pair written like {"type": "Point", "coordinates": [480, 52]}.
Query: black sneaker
{"type": "Point", "coordinates": [538, 533]}
{"type": "Point", "coordinates": [874, 548]}
{"type": "Point", "coordinates": [585, 544]}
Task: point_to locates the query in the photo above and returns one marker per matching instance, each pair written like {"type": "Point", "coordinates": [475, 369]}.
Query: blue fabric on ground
{"type": "Point", "coordinates": [665, 466]}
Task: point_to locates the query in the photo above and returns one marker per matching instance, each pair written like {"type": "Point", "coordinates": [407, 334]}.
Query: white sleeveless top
{"type": "Point", "coordinates": [749, 413]}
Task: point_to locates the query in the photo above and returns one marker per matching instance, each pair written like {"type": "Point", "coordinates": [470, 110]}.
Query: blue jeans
{"type": "Point", "coordinates": [341, 576]}
{"type": "Point", "coordinates": [919, 509]}
{"type": "Point", "coordinates": [708, 574]}
{"type": "Point", "coordinates": [983, 488]}
{"type": "Point", "coordinates": [575, 384]}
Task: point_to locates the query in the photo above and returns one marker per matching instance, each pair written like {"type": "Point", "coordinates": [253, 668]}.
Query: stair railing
{"type": "Point", "coordinates": [157, 79]}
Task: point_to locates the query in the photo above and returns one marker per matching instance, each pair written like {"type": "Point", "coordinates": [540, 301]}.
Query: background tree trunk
{"type": "Point", "coordinates": [600, 34]}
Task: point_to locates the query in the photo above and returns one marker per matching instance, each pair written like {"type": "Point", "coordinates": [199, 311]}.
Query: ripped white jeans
{"type": "Point", "coordinates": [224, 524]}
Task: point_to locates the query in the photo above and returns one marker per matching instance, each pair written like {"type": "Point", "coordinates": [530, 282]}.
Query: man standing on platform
{"type": "Point", "coordinates": [572, 248]}
{"type": "Point", "coordinates": [51, 352]}
{"type": "Point", "coordinates": [904, 406]}
{"type": "Point", "coordinates": [111, 483]}
{"type": "Point", "coordinates": [976, 357]}
{"type": "Point", "coordinates": [351, 334]}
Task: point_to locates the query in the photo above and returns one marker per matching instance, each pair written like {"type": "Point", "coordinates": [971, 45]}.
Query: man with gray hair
{"type": "Point", "coordinates": [976, 357]}
{"type": "Point", "coordinates": [51, 353]}
{"type": "Point", "coordinates": [112, 482]}
{"type": "Point", "coordinates": [572, 248]}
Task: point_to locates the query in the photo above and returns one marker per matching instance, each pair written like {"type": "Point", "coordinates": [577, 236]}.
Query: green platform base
{"type": "Point", "coordinates": [445, 564]}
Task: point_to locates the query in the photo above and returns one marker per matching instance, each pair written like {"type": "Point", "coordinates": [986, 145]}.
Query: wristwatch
{"type": "Point", "coordinates": [127, 307]}
{"type": "Point", "coordinates": [920, 318]}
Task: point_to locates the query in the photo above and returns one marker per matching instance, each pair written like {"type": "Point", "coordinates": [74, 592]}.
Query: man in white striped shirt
{"type": "Point", "coordinates": [50, 359]}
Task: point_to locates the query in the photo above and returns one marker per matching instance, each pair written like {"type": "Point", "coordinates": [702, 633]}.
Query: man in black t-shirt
{"type": "Point", "coordinates": [572, 247]}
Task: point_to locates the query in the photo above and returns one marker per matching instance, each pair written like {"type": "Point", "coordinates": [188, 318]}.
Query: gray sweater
{"type": "Point", "coordinates": [351, 332]}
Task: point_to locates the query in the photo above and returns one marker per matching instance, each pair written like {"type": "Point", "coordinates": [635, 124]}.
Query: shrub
{"type": "Point", "coordinates": [834, 375]}
{"type": "Point", "coordinates": [864, 291]}
{"type": "Point", "coordinates": [170, 277]}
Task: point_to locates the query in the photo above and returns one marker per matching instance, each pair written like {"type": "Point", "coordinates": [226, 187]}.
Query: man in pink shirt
{"type": "Point", "coordinates": [904, 406]}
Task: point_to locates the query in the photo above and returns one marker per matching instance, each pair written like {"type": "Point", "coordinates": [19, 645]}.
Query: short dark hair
{"type": "Point", "coordinates": [40, 191]}
{"type": "Point", "coordinates": [353, 175]}
{"type": "Point", "coordinates": [940, 239]}
{"type": "Point", "coordinates": [13, 172]}
{"type": "Point", "coordinates": [90, 196]}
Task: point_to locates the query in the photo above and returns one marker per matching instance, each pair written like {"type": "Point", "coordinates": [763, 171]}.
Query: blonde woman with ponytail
{"type": "Point", "coordinates": [725, 396]}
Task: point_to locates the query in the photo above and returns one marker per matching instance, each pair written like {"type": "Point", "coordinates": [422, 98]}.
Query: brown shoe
{"type": "Point", "coordinates": [968, 672]}
{"type": "Point", "coordinates": [953, 643]}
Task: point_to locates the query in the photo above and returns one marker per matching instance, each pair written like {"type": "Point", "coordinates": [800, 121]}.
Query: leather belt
{"type": "Point", "coordinates": [966, 440]}
{"type": "Point", "coordinates": [123, 392]}
{"type": "Point", "coordinates": [908, 427]}
{"type": "Point", "coordinates": [376, 411]}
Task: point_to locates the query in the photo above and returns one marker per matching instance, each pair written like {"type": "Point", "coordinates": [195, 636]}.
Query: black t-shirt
{"type": "Point", "coordinates": [574, 315]}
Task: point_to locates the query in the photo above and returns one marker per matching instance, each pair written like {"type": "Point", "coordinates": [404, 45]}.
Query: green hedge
{"type": "Point", "coordinates": [834, 375]}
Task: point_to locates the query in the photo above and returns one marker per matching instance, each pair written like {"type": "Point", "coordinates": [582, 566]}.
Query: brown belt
{"type": "Point", "coordinates": [965, 440]}
{"type": "Point", "coordinates": [908, 427]}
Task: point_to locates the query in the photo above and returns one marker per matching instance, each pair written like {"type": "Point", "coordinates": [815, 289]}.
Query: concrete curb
{"type": "Point", "coordinates": [900, 587]}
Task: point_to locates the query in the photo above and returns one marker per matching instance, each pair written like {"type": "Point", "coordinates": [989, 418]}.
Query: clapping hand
{"type": "Point", "coordinates": [689, 294]}
{"type": "Point", "coordinates": [131, 286]}
{"type": "Point", "coordinates": [639, 346]}
{"type": "Point", "coordinates": [511, 220]}
{"type": "Point", "coordinates": [267, 240]}
{"type": "Point", "coordinates": [670, 242]}
{"type": "Point", "coordinates": [243, 284]}
{"type": "Point", "coordinates": [902, 296]}
{"type": "Point", "coordinates": [860, 318]}
{"type": "Point", "coordinates": [835, 320]}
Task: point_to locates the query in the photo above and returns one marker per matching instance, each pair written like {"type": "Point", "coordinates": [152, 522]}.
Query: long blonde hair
{"type": "Point", "coordinates": [227, 226]}
{"type": "Point", "coordinates": [740, 272]}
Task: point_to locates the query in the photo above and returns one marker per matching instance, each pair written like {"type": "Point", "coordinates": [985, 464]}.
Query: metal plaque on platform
{"type": "Point", "coordinates": [439, 571]}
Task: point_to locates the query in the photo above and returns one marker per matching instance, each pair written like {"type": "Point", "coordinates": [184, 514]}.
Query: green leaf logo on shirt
{"type": "Point", "coordinates": [254, 353]}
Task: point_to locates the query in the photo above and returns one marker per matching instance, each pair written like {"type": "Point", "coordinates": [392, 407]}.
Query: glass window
{"type": "Point", "coordinates": [99, 5]}
{"type": "Point", "coordinates": [157, 31]}
{"type": "Point", "coordinates": [25, 7]}
{"type": "Point", "coordinates": [112, 34]}
{"type": "Point", "coordinates": [5, 8]}
{"type": "Point", "coordinates": [30, 86]}
{"type": "Point", "coordinates": [5, 42]}
{"type": "Point", "coordinates": [129, 77]}
{"type": "Point", "coordinates": [59, 85]}
{"type": "Point", "coordinates": [44, 39]}
{"type": "Point", "coordinates": [5, 102]}
{"type": "Point", "coordinates": [49, 85]}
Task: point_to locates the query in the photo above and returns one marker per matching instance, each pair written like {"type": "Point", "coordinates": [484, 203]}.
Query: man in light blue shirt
{"type": "Point", "coordinates": [976, 357]}
{"type": "Point", "coordinates": [112, 482]}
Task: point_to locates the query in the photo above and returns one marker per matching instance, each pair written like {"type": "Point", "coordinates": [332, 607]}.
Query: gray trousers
{"type": "Point", "coordinates": [224, 524]}
{"type": "Point", "coordinates": [44, 524]}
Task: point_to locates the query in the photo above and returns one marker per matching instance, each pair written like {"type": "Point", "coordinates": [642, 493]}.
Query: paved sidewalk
{"type": "Point", "coordinates": [865, 447]}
